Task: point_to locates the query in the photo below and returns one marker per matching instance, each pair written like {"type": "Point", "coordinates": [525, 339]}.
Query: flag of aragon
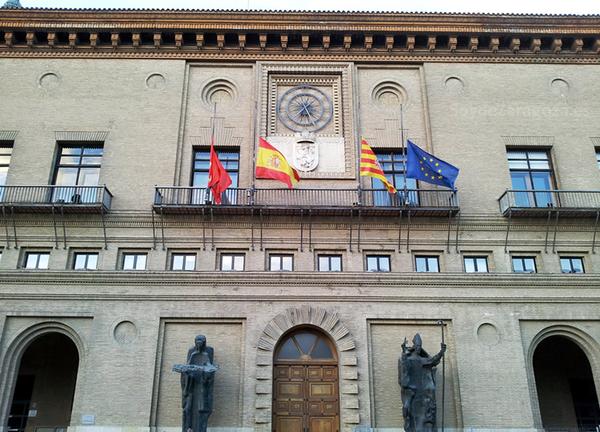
{"type": "Point", "coordinates": [271, 164]}
{"type": "Point", "coordinates": [218, 178]}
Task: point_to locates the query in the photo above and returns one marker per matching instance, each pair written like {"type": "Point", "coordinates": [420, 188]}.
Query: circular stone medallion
{"type": "Point", "coordinates": [156, 82]}
{"type": "Point", "coordinates": [49, 81]}
{"type": "Point", "coordinates": [488, 334]}
{"type": "Point", "coordinates": [125, 332]}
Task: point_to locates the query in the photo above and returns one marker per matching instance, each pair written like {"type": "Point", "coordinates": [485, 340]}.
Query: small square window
{"type": "Point", "coordinates": [279, 262]}
{"type": "Point", "coordinates": [523, 264]}
{"type": "Point", "coordinates": [330, 263]}
{"type": "Point", "coordinates": [183, 261]}
{"type": "Point", "coordinates": [85, 261]}
{"type": "Point", "coordinates": [476, 264]}
{"type": "Point", "coordinates": [232, 261]}
{"type": "Point", "coordinates": [378, 263]}
{"type": "Point", "coordinates": [427, 264]}
{"type": "Point", "coordinates": [571, 265]}
{"type": "Point", "coordinates": [134, 261]}
{"type": "Point", "coordinates": [37, 260]}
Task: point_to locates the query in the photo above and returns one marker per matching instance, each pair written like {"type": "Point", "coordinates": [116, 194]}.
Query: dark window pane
{"type": "Point", "coordinates": [305, 341]}
{"type": "Point", "coordinates": [322, 350]}
{"type": "Point", "coordinates": [288, 351]}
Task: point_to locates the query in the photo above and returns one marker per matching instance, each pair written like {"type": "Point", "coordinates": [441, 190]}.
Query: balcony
{"type": "Point", "coordinates": [66, 199]}
{"type": "Point", "coordinates": [538, 203]}
{"type": "Point", "coordinates": [417, 202]}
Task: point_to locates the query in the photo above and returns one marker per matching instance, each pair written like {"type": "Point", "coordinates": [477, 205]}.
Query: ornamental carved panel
{"type": "Point", "coordinates": [306, 113]}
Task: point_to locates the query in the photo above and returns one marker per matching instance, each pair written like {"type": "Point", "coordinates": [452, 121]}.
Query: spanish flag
{"type": "Point", "coordinates": [270, 164]}
{"type": "Point", "coordinates": [369, 166]}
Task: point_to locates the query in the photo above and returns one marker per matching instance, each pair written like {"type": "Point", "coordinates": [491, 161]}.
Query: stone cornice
{"type": "Point", "coordinates": [294, 35]}
{"type": "Point", "coordinates": [509, 281]}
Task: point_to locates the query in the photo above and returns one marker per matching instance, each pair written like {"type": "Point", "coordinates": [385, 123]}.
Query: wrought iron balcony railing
{"type": "Point", "coordinates": [534, 202]}
{"type": "Point", "coordinates": [427, 202]}
{"type": "Point", "coordinates": [45, 198]}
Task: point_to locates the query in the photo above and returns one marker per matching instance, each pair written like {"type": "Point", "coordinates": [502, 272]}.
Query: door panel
{"type": "Point", "coordinates": [289, 424]}
{"type": "Point", "coordinates": [305, 398]}
{"type": "Point", "coordinates": [323, 424]}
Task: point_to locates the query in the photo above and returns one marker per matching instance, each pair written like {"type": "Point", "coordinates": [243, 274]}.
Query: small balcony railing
{"type": "Point", "coordinates": [430, 202]}
{"type": "Point", "coordinates": [45, 198]}
{"type": "Point", "coordinates": [533, 202]}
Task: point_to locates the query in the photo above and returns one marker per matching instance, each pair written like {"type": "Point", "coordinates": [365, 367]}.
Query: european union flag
{"type": "Point", "coordinates": [423, 166]}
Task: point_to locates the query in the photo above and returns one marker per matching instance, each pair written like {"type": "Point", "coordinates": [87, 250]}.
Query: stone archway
{"type": "Point", "coordinates": [44, 390]}
{"type": "Point", "coordinates": [17, 351]}
{"type": "Point", "coordinates": [551, 358]}
{"type": "Point", "coordinates": [328, 323]}
{"type": "Point", "coordinates": [565, 385]}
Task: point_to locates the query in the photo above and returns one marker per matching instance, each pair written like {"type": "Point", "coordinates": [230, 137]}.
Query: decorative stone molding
{"type": "Point", "coordinates": [338, 76]}
{"type": "Point", "coordinates": [528, 141]}
{"type": "Point", "coordinates": [32, 32]}
{"type": "Point", "coordinates": [99, 136]}
{"type": "Point", "coordinates": [329, 323]}
{"type": "Point", "coordinates": [8, 135]}
{"type": "Point", "coordinates": [223, 135]}
{"type": "Point", "coordinates": [595, 141]}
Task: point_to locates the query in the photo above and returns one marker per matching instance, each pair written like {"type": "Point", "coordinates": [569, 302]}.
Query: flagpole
{"type": "Point", "coordinates": [254, 138]}
{"type": "Point", "coordinates": [405, 155]}
{"type": "Point", "coordinates": [212, 145]}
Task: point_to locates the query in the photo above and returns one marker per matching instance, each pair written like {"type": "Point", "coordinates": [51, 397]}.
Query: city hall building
{"type": "Point", "coordinates": [114, 255]}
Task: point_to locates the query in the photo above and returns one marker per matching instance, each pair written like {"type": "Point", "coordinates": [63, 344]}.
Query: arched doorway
{"type": "Point", "coordinates": [565, 386]}
{"type": "Point", "coordinates": [43, 395]}
{"type": "Point", "coordinates": [305, 383]}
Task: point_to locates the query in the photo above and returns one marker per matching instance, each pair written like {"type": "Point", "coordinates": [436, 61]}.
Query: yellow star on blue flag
{"type": "Point", "coordinates": [423, 166]}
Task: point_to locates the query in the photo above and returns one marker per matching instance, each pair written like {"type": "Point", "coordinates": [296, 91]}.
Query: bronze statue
{"type": "Point", "coordinates": [197, 379]}
{"type": "Point", "coordinates": [416, 376]}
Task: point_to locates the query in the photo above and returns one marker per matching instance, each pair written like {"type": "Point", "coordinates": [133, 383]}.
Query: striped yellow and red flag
{"type": "Point", "coordinates": [271, 164]}
{"type": "Point", "coordinates": [369, 166]}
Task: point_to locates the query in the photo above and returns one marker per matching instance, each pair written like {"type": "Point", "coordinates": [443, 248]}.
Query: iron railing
{"type": "Point", "coordinates": [56, 196]}
{"type": "Point", "coordinates": [307, 198]}
{"type": "Point", "coordinates": [532, 200]}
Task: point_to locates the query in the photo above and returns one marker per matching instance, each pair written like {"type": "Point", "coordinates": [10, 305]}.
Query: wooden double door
{"type": "Point", "coordinates": [306, 398]}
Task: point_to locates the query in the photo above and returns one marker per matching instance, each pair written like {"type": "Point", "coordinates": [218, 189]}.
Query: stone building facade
{"type": "Point", "coordinates": [114, 257]}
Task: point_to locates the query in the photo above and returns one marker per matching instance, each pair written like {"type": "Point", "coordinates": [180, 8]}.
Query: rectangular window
{"type": "Point", "coordinates": [37, 260]}
{"type": "Point", "coordinates": [571, 265]}
{"type": "Point", "coordinates": [183, 261]}
{"type": "Point", "coordinates": [378, 263]}
{"type": "Point", "coordinates": [330, 263]}
{"type": "Point", "coordinates": [232, 261]}
{"type": "Point", "coordinates": [230, 158]}
{"type": "Point", "coordinates": [77, 165]}
{"type": "Point", "coordinates": [474, 264]}
{"type": "Point", "coordinates": [427, 264]}
{"type": "Point", "coordinates": [531, 171]}
{"type": "Point", "coordinates": [523, 264]}
{"type": "Point", "coordinates": [134, 261]}
{"type": "Point", "coordinates": [85, 261]}
{"type": "Point", "coordinates": [5, 156]}
{"type": "Point", "coordinates": [279, 262]}
{"type": "Point", "coordinates": [393, 163]}
{"type": "Point", "coordinates": [598, 157]}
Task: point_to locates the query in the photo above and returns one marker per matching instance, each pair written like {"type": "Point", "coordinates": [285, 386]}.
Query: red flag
{"type": "Point", "coordinates": [218, 178]}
